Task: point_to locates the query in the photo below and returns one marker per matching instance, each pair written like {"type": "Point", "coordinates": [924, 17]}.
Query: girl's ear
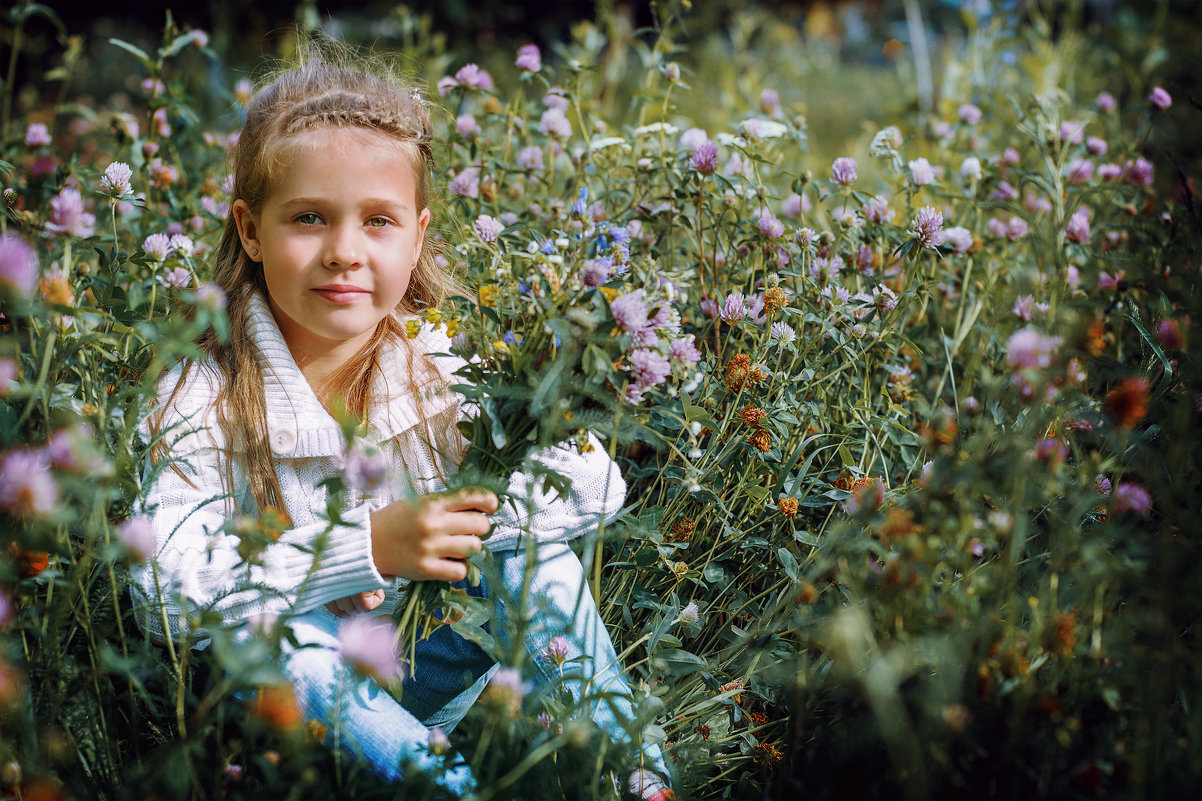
{"type": "Point", "coordinates": [248, 230]}
{"type": "Point", "coordinates": [423, 220]}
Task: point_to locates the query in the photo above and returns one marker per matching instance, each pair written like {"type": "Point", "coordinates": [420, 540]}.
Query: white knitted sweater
{"type": "Point", "coordinates": [198, 565]}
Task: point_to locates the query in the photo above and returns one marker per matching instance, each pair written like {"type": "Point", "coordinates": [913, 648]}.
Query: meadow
{"type": "Point", "coordinates": [903, 397]}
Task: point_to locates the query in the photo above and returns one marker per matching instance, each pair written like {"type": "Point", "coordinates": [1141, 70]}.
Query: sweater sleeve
{"type": "Point", "coordinates": [596, 494]}
{"type": "Point", "coordinates": [197, 564]}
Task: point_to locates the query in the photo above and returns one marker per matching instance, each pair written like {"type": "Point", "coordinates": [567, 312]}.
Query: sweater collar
{"type": "Point", "coordinates": [299, 426]}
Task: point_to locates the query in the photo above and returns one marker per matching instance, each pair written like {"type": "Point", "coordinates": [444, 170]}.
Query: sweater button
{"type": "Point", "coordinates": [283, 441]}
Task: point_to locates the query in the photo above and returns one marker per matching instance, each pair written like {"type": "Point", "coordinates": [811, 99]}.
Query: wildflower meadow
{"type": "Point", "coordinates": [909, 416]}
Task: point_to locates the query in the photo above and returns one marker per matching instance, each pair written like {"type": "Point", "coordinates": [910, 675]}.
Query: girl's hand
{"type": "Point", "coordinates": [354, 604]}
{"type": "Point", "coordinates": [427, 538]}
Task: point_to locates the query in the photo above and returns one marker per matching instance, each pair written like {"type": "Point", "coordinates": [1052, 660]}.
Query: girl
{"type": "Point", "coordinates": [323, 256]}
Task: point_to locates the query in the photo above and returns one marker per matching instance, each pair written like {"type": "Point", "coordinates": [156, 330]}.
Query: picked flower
{"type": "Point", "coordinates": [368, 643]}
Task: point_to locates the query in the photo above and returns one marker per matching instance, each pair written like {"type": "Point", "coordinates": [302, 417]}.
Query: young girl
{"type": "Point", "coordinates": [322, 258]}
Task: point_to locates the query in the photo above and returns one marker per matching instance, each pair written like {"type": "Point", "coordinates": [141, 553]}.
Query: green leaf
{"type": "Point", "coordinates": [138, 53]}
{"type": "Point", "coordinates": [788, 562]}
{"type": "Point", "coordinates": [1153, 344]}
{"type": "Point", "coordinates": [700, 415]}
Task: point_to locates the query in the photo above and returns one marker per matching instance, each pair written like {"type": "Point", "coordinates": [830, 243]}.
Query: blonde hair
{"type": "Point", "coordinates": [323, 91]}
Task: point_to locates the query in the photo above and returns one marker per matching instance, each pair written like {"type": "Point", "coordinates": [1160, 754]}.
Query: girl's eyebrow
{"type": "Point", "coordinates": [369, 202]}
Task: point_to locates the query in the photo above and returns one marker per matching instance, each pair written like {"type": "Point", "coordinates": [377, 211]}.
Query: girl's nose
{"type": "Point", "coordinates": [343, 248]}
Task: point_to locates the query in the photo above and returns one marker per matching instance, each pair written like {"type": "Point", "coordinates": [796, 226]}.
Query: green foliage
{"type": "Point", "coordinates": [914, 517]}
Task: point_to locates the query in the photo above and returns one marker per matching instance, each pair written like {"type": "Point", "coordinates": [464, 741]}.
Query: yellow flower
{"type": "Point", "coordinates": [452, 327]}
{"type": "Point", "coordinates": [412, 328]}
{"type": "Point", "coordinates": [488, 295]}
{"type": "Point", "coordinates": [433, 316]}
{"type": "Point", "coordinates": [609, 292]}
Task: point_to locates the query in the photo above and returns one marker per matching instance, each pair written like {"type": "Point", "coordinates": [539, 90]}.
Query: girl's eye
{"type": "Point", "coordinates": [377, 222]}
{"type": "Point", "coordinates": [308, 218]}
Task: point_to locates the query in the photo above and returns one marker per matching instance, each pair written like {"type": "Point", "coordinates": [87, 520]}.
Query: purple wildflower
{"type": "Point", "coordinates": [1010, 156]}
{"type": "Point", "coordinates": [67, 215]}
{"type": "Point", "coordinates": [1004, 192]}
{"type": "Point", "coordinates": [8, 374]}
{"type": "Point", "coordinates": [596, 271]}
{"type": "Point", "coordinates": [770, 226]}
{"type": "Point", "coordinates": [971, 168]}
{"type": "Point", "coordinates": [26, 485]}
{"type": "Point", "coordinates": [554, 123]}
{"type": "Point", "coordinates": [1101, 485]}
{"type": "Point", "coordinates": [1096, 145]}
{"type": "Point", "coordinates": [466, 126]}
{"type": "Point", "coordinates": [921, 172]}
{"type": "Point", "coordinates": [928, 227]}
{"type": "Point", "coordinates": [1078, 227]}
{"type": "Point", "coordinates": [1072, 131]}
{"type": "Point", "coordinates": [1080, 171]}
{"type": "Point", "coordinates": [794, 205]}
{"type": "Point", "coordinates": [1160, 98]}
{"type": "Point", "coordinates": [116, 180]}
{"type": "Point", "coordinates": [466, 183]}
{"type": "Point", "coordinates": [684, 350]}
{"type": "Point", "coordinates": [556, 99]}
{"type": "Point", "coordinates": [177, 277]}
{"type": "Point", "coordinates": [1029, 349]}
{"type": "Point", "coordinates": [630, 311]}
{"type": "Point", "coordinates": [367, 643]}
{"type": "Point", "coordinates": [437, 741]}
{"type": "Point", "coordinates": [649, 366]}
{"type": "Point", "coordinates": [689, 614]}
{"type": "Point", "coordinates": [365, 467]}
{"type": "Point", "coordinates": [769, 102]}
{"type": "Point", "coordinates": [877, 209]}
{"type": "Point", "coordinates": [529, 58]}
{"type": "Point", "coordinates": [210, 297]}
{"type": "Point", "coordinates": [37, 135]}
{"type": "Point", "coordinates": [1131, 497]}
{"type": "Point", "coordinates": [1016, 229]}
{"type": "Point", "coordinates": [843, 171]}
{"type": "Point", "coordinates": [137, 534]}
{"type": "Point", "coordinates": [1110, 172]}
{"type": "Point", "coordinates": [1106, 102]}
{"type": "Point", "coordinates": [959, 238]}
{"type": "Point", "coordinates": [470, 76]}
{"type": "Point", "coordinates": [782, 332]}
{"type": "Point", "coordinates": [1139, 171]}
{"type": "Point", "coordinates": [690, 139]}
{"type": "Point", "coordinates": [531, 158]}
{"type": "Point", "coordinates": [506, 690]}
{"type": "Point", "coordinates": [734, 308]}
{"type": "Point", "coordinates": [18, 264]}
{"type": "Point", "coordinates": [488, 228]}
{"type": "Point", "coordinates": [970, 114]}
{"type": "Point", "coordinates": [705, 158]}
{"type": "Point", "coordinates": [558, 650]}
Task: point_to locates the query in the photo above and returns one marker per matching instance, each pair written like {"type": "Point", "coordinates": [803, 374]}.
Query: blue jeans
{"type": "Point", "coordinates": [371, 722]}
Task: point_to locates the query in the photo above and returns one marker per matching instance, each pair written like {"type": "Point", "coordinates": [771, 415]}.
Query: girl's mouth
{"type": "Point", "coordinates": [341, 294]}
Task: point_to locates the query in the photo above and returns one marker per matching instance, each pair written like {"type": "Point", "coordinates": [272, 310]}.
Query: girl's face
{"type": "Point", "coordinates": [338, 236]}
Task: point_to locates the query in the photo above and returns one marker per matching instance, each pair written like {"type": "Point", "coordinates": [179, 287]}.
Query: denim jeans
{"type": "Point", "coordinates": [372, 724]}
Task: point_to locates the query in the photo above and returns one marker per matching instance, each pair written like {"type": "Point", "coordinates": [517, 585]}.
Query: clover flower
{"type": "Point", "coordinates": [67, 215]}
{"type": "Point", "coordinates": [1131, 497]}
{"type": "Point", "coordinates": [210, 297]}
{"type": "Point", "coordinates": [971, 168]}
{"type": "Point", "coordinates": [558, 650]}
{"type": "Point", "coordinates": [1138, 171]}
{"type": "Point", "coordinates": [26, 485]}
{"type": "Point", "coordinates": [649, 367]}
{"type": "Point", "coordinates": [529, 58]}
{"type": "Point", "coordinates": [37, 135]}
{"type": "Point", "coordinates": [182, 244]}
{"type": "Point", "coordinates": [770, 226]}
{"type": "Point", "coordinates": [928, 227]}
{"type": "Point", "coordinates": [367, 643]}
{"type": "Point", "coordinates": [970, 114]}
{"type": "Point", "coordinates": [690, 614]}
{"type": "Point", "coordinates": [1079, 171]}
{"type": "Point", "coordinates": [1078, 227]}
{"type": "Point", "coordinates": [137, 534]}
{"type": "Point", "coordinates": [157, 247]}
{"type": "Point", "coordinates": [843, 171]}
{"type": "Point", "coordinates": [554, 123]}
{"type": "Point", "coordinates": [8, 374]}
{"type": "Point", "coordinates": [437, 741]}
{"type": "Point", "coordinates": [877, 209]}
{"type": "Point", "coordinates": [921, 172]}
{"type": "Point", "coordinates": [506, 690]}
{"type": "Point", "coordinates": [470, 76]}
{"type": "Point", "coordinates": [684, 350]}
{"type": "Point", "coordinates": [178, 278]}
{"type": "Point", "coordinates": [959, 238]}
{"type": "Point", "coordinates": [466, 126]}
{"type": "Point", "coordinates": [466, 183]}
{"type": "Point", "coordinates": [1004, 192]}
{"type": "Point", "coordinates": [734, 308]}
{"type": "Point", "coordinates": [488, 228]}
{"type": "Point", "coordinates": [1160, 98]}
{"type": "Point", "coordinates": [1028, 349]}
{"type": "Point", "coordinates": [531, 158]}
{"type": "Point", "coordinates": [884, 142]}
{"type": "Point", "coordinates": [116, 180]}
{"type": "Point", "coordinates": [782, 332]}
{"type": "Point", "coordinates": [705, 158]}
{"type": "Point", "coordinates": [1105, 102]}
{"type": "Point", "coordinates": [365, 467]}
{"type": "Point", "coordinates": [18, 264]}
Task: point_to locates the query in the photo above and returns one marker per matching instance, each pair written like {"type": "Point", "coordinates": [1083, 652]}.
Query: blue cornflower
{"type": "Point", "coordinates": [580, 205]}
{"type": "Point", "coordinates": [619, 233]}
{"type": "Point", "coordinates": [548, 247]}
{"type": "Point", "coordinates": [510, 338]}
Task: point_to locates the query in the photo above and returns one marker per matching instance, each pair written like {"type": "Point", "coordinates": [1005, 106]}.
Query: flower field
{"type": "Point", "coordinates": [909, 418]}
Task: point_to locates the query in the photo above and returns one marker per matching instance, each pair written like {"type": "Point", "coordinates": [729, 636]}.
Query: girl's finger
{"type": "Point", "coordinates": [461, 546]}
{"type": "Point", "coordinates": [471, 499]}
{"type": "Point", "coordinates": [473, 523]}
{"type": "Point", "coordinates": [372, 599]}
